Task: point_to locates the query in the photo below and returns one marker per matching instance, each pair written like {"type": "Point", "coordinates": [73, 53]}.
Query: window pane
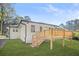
{"type": "Point", "coordinates": [32, 28]}
{"type": "Point", "coordinates": [16, 30]}
{"type": "Point", "coordinates": [13, 30]}
{"type": "Point", "coordinates": [40, 29]}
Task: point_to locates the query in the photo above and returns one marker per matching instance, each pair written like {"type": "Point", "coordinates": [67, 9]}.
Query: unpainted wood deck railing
{"type": "Point", "coordinates": [50, 34]}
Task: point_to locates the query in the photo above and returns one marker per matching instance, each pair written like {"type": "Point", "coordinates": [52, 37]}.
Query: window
{"type": "Point", "coordinates": [32, 28]}
{"type": "Point", "coordinates": [13, 30]}
{"type": "Point", "coordinates": [16, 30]}
{"type": "Point", "coordinates": [40, 29]}
{"type": "Point", "coordinates": [49, 28]}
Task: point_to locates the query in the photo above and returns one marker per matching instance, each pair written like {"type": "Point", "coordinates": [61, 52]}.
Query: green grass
{"type": "Point", "coordinates": [18, 48]}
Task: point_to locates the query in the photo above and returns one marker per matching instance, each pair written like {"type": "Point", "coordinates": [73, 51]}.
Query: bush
{"type": "Point", "coordinates": [75, 38]}
{"type": "Point", "coordinates": [76, 35]}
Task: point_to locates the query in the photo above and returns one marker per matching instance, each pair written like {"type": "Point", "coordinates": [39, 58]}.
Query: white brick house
{"type": "Point", "coordinates": [25, 29]}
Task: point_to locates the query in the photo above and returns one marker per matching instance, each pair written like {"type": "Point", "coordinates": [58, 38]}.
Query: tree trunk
{"type": "Point", "coordinates": [1, 27]}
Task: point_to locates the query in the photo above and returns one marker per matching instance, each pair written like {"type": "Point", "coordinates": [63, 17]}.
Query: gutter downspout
{"type": "Point", "coordinates": [25, 31]}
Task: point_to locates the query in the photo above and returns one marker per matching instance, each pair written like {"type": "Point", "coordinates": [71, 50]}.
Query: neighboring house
{"type": "Point", "coordinates": [26, 29]}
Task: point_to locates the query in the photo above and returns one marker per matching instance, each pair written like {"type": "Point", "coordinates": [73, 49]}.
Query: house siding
{"type": "Point", "coordinates": [25, 34]}
{"type": "Point", "coordinates": [13, 35]}
{"type": "Point", "coordinates": [37, 29]}
{"type": "Point", "coordinates": [22, 32]}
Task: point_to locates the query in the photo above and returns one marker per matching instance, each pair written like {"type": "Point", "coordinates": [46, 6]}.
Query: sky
{"type": "Point", "coordinates": [51, 13]}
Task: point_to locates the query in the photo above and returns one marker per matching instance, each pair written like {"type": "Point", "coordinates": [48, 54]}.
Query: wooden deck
{"type": "Point", "coordinates": [51, 35]}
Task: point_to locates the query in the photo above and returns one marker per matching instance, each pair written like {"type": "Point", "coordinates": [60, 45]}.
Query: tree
{"type": "Point", "coordinates": [17, 19]}
{"type": "Point", "coordinates": [6, 13]}
{"type": "Point", "coordinates": [62, 25]}
{"type": "Point", "coordinates": [72, 25]}
{"type": "Point", "coordinates": [27, 18]}
{"type": "Point", "coordinates": [2, 14]}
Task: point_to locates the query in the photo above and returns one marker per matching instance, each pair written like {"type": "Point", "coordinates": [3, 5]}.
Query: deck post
{"type": "Point", "coordinates": [44, 33]}
{"type": "Point", "coordinates": [51, 39]}
{"type": "Point", "coordinates": [70, 41]}
{"type": "Point", "coordinates": [62, 42]}
{"type": "Point", "coordinates": [51, 44]}
{"type": "Point", "coordinates": [63, 38]}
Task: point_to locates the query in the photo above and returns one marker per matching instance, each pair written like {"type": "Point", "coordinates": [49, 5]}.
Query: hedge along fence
{"type": "Point", "coordinates": [51, 34]}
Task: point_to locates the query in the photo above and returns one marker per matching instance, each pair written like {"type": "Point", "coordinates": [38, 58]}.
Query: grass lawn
{"type": "Point", "coordinates": [17, 47]}
{"type": "Point", "coordinates": [76, 34]}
